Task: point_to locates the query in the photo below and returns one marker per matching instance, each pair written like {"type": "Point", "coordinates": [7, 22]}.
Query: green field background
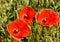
{"type": "Point", "coordinates": [9, 10]}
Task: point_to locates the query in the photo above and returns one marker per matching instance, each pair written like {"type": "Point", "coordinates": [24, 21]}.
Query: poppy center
{"type": "Point", "coordinates": [16, 31]}
{"type": "Point", "coordinates": [25, 16]}
{"type": "Point", "coordinates": [44, 20]}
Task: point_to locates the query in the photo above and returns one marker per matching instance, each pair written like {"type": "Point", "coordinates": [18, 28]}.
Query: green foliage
{"type": "Point", "coordinates": [9, 10]}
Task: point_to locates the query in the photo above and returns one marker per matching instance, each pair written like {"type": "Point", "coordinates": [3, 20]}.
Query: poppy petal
{"type": "Point", "coordinates": [47, 17]}
{"type": "Point", "coordinates": [18, 29]}
{"type": "Point", "coordinates": [26, 14]}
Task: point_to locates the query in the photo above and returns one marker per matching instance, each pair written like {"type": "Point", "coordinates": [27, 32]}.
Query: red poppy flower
{"type": "Point", "coordinates": [18, 29]}
{"type": "Point", "coordinates": [26, 14]}
{"type": "Point", "coordinates": [59, 15]}
{"type": "Point", "coordinates": [47, 17]}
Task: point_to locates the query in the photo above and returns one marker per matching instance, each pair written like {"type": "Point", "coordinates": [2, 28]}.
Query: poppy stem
{"type": "Point", "coordinates": [19, 41]}
{"type": "Point", "coordinates": [58, 32]}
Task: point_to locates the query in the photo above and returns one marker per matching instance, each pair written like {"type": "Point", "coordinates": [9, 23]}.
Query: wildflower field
{"type": "Point", "coordinates": [29, 20]}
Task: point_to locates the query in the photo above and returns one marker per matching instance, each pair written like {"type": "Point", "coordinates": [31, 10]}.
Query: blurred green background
{"type": "Point", "coordinates": [9, 10]}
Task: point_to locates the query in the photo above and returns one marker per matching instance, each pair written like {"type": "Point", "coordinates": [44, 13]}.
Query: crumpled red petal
{"type": "Point", "coordinates": [18, 29]}
{"type": "Point", "coordinates": [26, 14]}
{"type": "Point", "coordinates": [47, 17]}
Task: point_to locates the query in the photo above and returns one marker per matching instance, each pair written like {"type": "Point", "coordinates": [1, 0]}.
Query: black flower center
{"type": "Point", "coordinates": [25, 16]}
{"type": "Point", "coordinates": [16, 31]}
{"type": "Point", "coordinates": [44, 20]}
